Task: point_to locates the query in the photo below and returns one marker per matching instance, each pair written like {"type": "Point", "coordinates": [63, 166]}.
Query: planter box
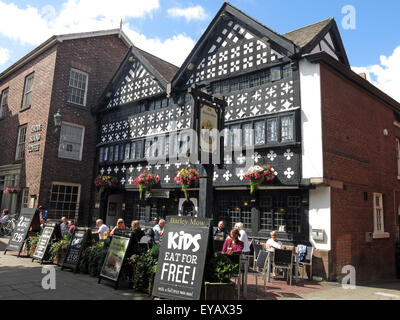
{"type": "Point", "coordinates": [59, 260]}
{"type": "Point", "coordinates": [219, 291]}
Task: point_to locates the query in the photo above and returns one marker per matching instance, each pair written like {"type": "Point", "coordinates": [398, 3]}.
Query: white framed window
{"type": "Point", "coordinates": [20, 153]}
{"type": "Point", "coordinates": [3, 102]}
{"type": "Point", "coordinates": [78, 83]}
{"type": "Point", "coordinates": [398, 157]}
{"type": "Point", "coordinates": [71, 141]}
{"type": "Point", "coordinates": [64, 200]}
{"type": "Point", "coordinates": [26, 103]}
{"type": "Point", "coordinates": [25, 198]}
{"type": "Point", "coordinates": [379, 227]}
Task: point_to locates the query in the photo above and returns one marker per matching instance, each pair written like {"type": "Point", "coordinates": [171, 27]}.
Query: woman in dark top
{"type": "Point", "coordinates": [232, 244]}
{"type": "Point", "coordinates": [138, 234]}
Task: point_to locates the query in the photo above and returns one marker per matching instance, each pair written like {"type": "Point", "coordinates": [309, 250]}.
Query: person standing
{"type": "Point", "coordinates": [64, 226]}
{"type": "Point", "coordinates": [220, 233]}
{"type": "Point", "coordinates": [102, 229]}
{"type": "Point", "coordinates": [158, 231]}
{"type": "Point", "coordinates": [243, 237]}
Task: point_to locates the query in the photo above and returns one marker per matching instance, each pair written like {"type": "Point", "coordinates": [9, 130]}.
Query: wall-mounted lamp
{"type": "Point", "coordinates": [57, 120]}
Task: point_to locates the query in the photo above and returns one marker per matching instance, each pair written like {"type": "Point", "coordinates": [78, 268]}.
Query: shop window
{"type": "Point", "coordinates": [64, 201]}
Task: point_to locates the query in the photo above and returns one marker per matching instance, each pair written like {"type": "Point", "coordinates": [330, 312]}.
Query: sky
{"type": "Point", "coordinates": [170, 28]}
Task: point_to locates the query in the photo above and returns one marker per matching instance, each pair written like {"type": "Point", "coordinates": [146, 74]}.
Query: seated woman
{"type": "Point", "coordinates": [232, 244]}
{"type": "Point", "coordinates": [273, 242]}
{"type": "Point", "coordinates": [120, 226]}
{"type": "Point", "coordinates": [137, 231]}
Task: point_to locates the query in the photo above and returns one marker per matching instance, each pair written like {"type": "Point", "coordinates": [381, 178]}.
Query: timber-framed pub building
{"type": "Point", "coordinates": [296, 101]}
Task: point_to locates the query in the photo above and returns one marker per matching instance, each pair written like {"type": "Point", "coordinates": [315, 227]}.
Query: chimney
{"type": "Point", "coordinates": [363, 75]}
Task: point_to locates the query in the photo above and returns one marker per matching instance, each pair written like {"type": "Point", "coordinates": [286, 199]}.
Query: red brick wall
{"type": "Point", "coordinates": [43, 67]}
{"type": "Point", "coordinates": [100, 58]}
{"type": "Point", "coordinates": [357, 153]}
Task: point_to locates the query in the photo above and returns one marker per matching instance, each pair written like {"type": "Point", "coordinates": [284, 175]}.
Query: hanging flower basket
{"type": "Point", "coordinates": [105, 183]}
{"type": "Point", "coordinates": [257, 175]}
{"type": "Point", "coordinates": [10, 190]}
{"type": "Point", "coordinates": [188, 178]}
{"type": "Point", "coordinates": [145, 181]}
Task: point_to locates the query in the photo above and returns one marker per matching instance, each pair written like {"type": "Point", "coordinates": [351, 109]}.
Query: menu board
{"type": "Point", "coordinates": [182, 258]}
{"type": "Point", "coordinates": [77, 245]}
{"type": "Point", "coordinates": [21, 230]}
{"type": "Point", "coordinates": [114, 259]}
{"type": "Point", "coordinates": [44, 241]}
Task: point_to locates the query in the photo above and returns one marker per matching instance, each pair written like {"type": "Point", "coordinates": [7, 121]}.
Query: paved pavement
{"type": "Point", "coordinates": [21, 279]}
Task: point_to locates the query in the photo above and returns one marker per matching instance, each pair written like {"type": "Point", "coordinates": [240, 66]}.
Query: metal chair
{"type": "Point", "coordinates": [307, 261]}
{"type": "Point", "coordinates": [283, 259]}
{"type": "Point", "coordinates": [261, 267]}
{"type": "Point", "coordinates": [257, 249]}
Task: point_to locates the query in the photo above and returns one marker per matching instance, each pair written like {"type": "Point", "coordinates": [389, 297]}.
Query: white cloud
{"type": "Point", "coordinates": [174, 50]}
{"type": "Point", "coordinates": [4, 55]}
{"type": "Point", "coordinates": [386, 75]}
{"type": "Point", "coordinates": [31, 25]}
{"type": "Point", "coordinates": [192, 13]}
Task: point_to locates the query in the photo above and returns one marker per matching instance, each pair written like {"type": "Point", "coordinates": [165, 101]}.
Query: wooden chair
{"type": "Point", "coordinates": [283, 259]}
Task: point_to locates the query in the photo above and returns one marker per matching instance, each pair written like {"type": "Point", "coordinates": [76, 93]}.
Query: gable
{"type": "Point", "coordinates": [135, 83]}
{"type": "Point", "coordinates": [232, 45]}
{"type": "Point", "coordinates": [326, 44]}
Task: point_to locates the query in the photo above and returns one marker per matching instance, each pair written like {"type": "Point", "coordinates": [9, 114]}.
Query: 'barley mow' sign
{"type": "Point", "coordinates": [182, 258]}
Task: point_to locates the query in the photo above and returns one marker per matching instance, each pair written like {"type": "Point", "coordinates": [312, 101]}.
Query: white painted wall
{"type": "Point", "coordinates": [311, 127]}
{"type": "Point", "coordinates": [320, 215]}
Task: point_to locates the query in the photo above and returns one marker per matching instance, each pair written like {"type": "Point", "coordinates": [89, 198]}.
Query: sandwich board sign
{"type": "Point", "coordinates": [78, 243]}
{"type": "Point", "coordinates": [114, 260]}
{"type": "Point", "coordinates": [50, 231]}
{"type": "Point", "coordinates": [182, 258]}
{"type": "Point", "coordinates": [21, 230]}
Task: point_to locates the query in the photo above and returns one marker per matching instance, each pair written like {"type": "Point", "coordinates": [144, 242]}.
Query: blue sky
{"type": "Point", "coordinates": [170, 28]}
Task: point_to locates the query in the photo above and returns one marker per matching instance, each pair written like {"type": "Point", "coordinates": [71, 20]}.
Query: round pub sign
{"type": "Point", "coordinates": [208, 122]}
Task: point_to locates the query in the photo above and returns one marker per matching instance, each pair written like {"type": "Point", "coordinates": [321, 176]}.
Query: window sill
{"type": "Point", "coordinates": [380, 235]}
{"type": "Point", "coordinates": [85, 108]}
{"type": "Point", "coordinates": [24, 109]}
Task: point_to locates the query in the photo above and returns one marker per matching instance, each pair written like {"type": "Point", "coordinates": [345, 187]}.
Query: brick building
{"type": "Point", "coordinates": [331, 136]}
{"type": "Point", "coordinates": [46, 165]}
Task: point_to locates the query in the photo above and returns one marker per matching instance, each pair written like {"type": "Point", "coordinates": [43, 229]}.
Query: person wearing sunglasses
{"type": "Point", "coordinates": [120, 226]}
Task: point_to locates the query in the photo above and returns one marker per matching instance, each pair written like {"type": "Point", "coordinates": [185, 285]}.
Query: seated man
{"type": "Point", "coordinates": [273, 242]}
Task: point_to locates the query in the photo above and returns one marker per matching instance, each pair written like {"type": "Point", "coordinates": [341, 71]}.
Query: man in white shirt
{"type": "Point", "coordinates": [243, 237]}
{"type": "Point", "coordinates": [102, 229]}
{"type": "Point", "coordinates": [273, 242]}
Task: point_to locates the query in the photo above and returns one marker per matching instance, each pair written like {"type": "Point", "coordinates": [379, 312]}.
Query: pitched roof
{"type": "Point", "coordinates": [166, 69]}
{"type": "Point", "coordinates": [305, 35]}
{"type": "Point", "coordinates": [60, 38]}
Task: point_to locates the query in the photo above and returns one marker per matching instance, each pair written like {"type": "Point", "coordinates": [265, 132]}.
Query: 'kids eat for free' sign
{"type": "Point", "coordinates": [182, 258]}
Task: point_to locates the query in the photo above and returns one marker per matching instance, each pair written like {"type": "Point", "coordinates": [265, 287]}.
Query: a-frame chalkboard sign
{"type": "Point", "coordinates": [51, 233]}
{"type": "Point", "coordinates": [20, 231]}
{"type": "Point", "coordinates": [79, 242]}
{"type": "Point", "coordinates": [118, 250]}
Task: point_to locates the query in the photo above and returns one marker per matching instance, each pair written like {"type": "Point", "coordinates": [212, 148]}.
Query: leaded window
{"type": "Point", "coordinates": [287, 128]}
{"type": "Point", "coordinates": [259, 132]}
{"type": "Point", "coordinates": [247, 134]}
{"type": "Point", "coordinates": [276, 74]}
{"type": "Point", "coordinates": [272, 130]}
